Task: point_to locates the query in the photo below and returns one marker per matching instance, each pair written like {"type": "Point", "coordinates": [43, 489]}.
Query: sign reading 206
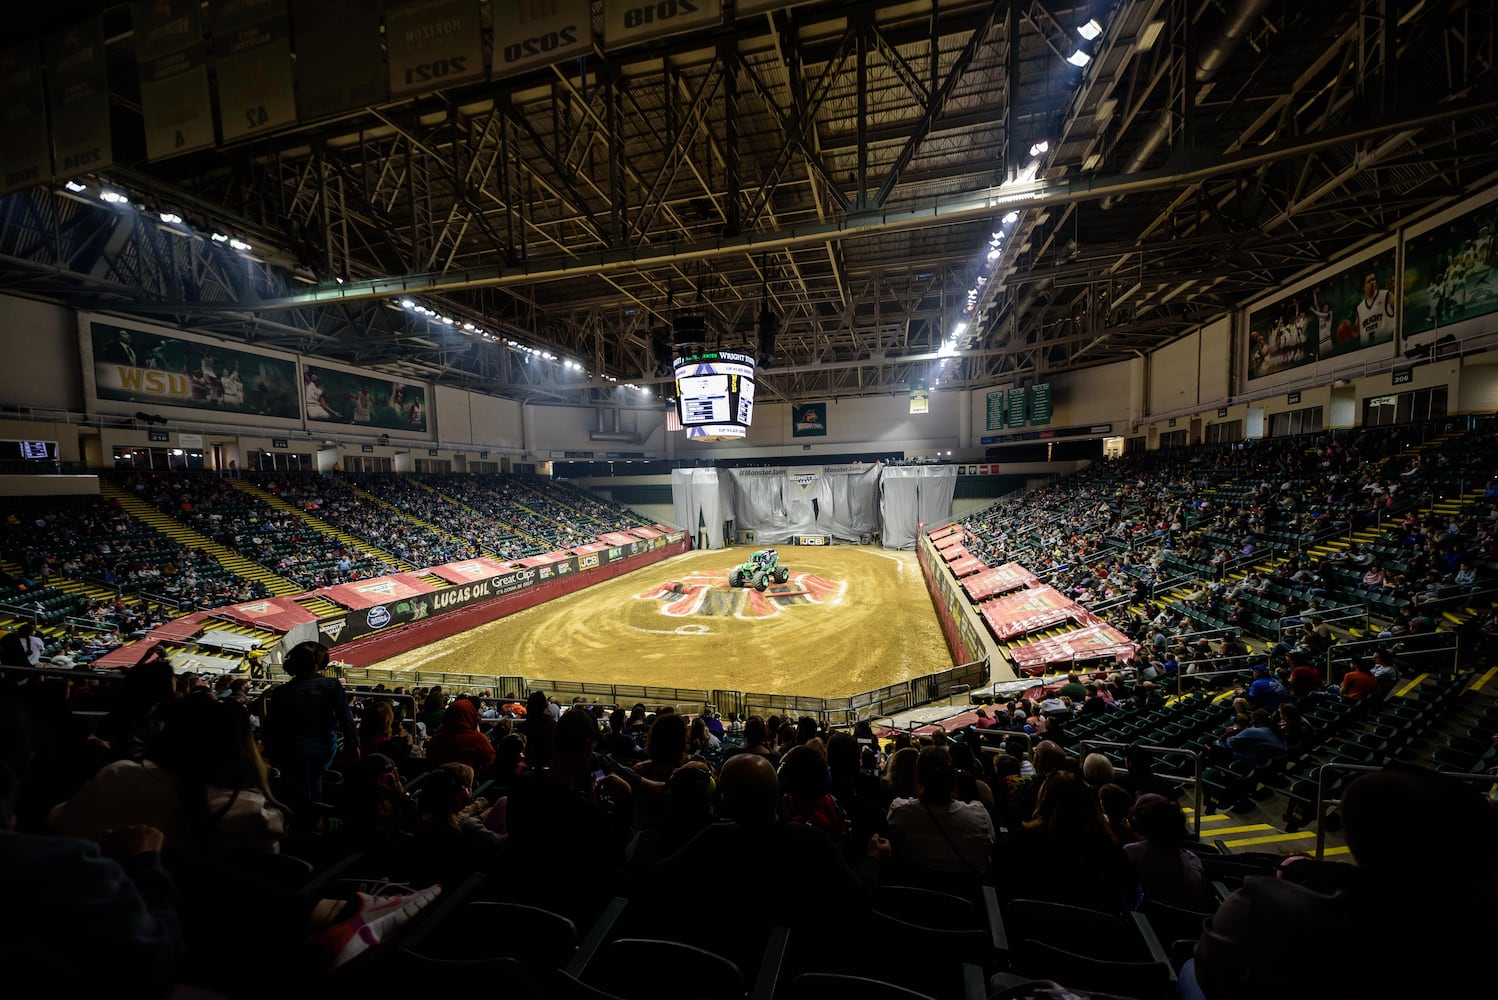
{"type": "Point", "coordinates": [533, 33]}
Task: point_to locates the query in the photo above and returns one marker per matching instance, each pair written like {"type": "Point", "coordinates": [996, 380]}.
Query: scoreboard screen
{"type": "Point", "coordinates": [715, 394]}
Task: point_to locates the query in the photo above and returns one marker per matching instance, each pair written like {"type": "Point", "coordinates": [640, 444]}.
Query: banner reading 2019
{"type": "Point", "coordinates": [138, 366]}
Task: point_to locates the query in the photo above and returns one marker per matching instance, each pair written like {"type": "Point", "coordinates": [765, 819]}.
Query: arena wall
{"type": "Point", "coordinates": [382, 645]}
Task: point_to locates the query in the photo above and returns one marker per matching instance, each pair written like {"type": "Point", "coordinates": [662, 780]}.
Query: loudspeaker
{"type": "Point", "coordinates": [689, 331]}
{"type": "Point", "coordinates": [769, 328]}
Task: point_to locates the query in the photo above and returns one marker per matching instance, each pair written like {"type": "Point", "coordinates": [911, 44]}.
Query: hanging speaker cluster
{"type": "Point", "coordinates": [769, 329]}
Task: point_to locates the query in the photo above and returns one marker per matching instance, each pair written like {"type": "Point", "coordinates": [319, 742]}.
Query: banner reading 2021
{"type": "Point", "coordinates": [138, 366]}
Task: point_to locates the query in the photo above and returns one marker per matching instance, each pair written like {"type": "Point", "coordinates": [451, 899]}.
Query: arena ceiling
{"type": "Point", "coordinates": [844, 166]}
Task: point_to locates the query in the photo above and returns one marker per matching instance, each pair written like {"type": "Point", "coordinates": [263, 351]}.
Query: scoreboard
{"type": "Point", "coordinates": [715, 394]}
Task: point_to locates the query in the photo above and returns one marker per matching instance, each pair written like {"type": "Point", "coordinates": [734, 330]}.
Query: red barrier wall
{"type": "Point", "coordinates": [382, 645]}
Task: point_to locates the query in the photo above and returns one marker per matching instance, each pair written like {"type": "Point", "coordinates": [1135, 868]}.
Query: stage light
{"type": "Point", "coordinates": [75, 187]}
{"type": "Point", "coordinates": [1079, 58]}
{"type": "Point", "coordinates": [239, 245]}
{"type": "Point", "coordinates": [1011, 218]}
{"type": "Point", "coordinates": [219, 238]}
{"type": "Point", "coordinates": [959, 330]}
{"type": "Point", "coordinates": [1040, 147]}
{"type": "Point", "coordinates": [114, 197]}
{"type": "Point", "coordinates": [171, 218]}
{"type": "Point", "coordinates": [407, 304]}
{"type": "Point", "coordinates": [1090, 30]}
{"type": "Point", "coordinates": [993, 255]}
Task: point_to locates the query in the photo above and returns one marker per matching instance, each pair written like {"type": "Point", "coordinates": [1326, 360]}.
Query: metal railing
{"type": "Point", "coordinates": [1323, 801]}
{"type": "Point", "coordinates": [1195, 756]}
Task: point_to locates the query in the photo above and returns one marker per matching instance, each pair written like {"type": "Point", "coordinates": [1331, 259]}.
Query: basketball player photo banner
{"type": "Point", "coordinates": [1345, 310]}
{"type": "Point", "coordinates": [340, 397]}
{"type": "Point", "coordinates": [1451, 275]}
{"type": "Point", "coordinates": [146, 368]}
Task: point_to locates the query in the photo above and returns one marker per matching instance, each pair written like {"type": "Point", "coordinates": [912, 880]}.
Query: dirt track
{"type": "Point", "coordinates": [860, 619]}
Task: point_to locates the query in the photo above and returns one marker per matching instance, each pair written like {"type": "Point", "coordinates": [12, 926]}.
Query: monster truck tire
{"type": "Point", "coordinates": [782, 574]}
{"type": "Point", "coordinates": [736, 578]}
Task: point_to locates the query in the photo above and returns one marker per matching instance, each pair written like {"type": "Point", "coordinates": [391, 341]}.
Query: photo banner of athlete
{"type": "Point", "coordinates": [1342, 312]}
{"type": "Point", "coordinates": [1451, 277]}
{"type": "Point", "coordinates": [342, 397]}
{"type": "Point", "coordinates": [138, 366]}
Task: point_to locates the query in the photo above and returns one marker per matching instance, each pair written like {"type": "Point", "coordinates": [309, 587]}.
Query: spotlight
{"type": "Point", "coordinates": [171, 218]}
{"type": "Point", "coordinates": [1011, 218]}
{"type": "Point", "coordinates": [1079, 58]}
{"type": "Point", "coordinates": [959, 330]}
{"type": "Point", "coordinates": [239, 244]}
{"type": "Point", "coordinates": [114, 197]}
{"type": "Point", "coordinates": [1090, 30]}
{"type": "Point", "coordinates": [993, 255]}
{"type": "Point", "coordinates": [75, 187]}
{"type": "Point", "coordinates": [407, 304]}
{"type": "Point", "coordinates": [1040, 147]}
{"type": "Point", "coordinates": [219, 238]}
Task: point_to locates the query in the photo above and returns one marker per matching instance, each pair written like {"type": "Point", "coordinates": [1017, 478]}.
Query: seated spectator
{"type": "Point", "coordinates": [935, 831]}
{"type": "Point", "coordinates": [1140, 778]}
{"type": "Point", "coordinates": [1097, 771]}
{"type": "Point", "coordinates": [1065, 853]}
{"type": "Point", "coordinates": [202, 784]}
{"type": "Point", "coordinates": [1359, 682]}
{"type": "Point", "coordinates": [458, 740]}
{"type": "Point", "coordinates": [1266, 692]}
{"type": "Point", "coordinates": [1385, 670]}
{"type": "Point", "coordinates": [1259, 742]}
{"type": "Point", "coordinates": [900, 773]}
{"type": "Point", "coordinates": [1116, 803]}
{"type": "Point", "coordinates": [803, 780]}
{"type": "Point", "coordinates": [1167, 872]}
{"type": "Point", "coordinates": [1383, 813]}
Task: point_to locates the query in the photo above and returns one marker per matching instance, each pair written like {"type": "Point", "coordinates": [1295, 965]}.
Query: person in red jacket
{"type": "Point", "coordinates": [1359, 681]}
{"type": "Point", "coordinates": [459, 740]}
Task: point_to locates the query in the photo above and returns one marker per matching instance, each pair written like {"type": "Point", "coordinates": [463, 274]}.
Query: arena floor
{"type": "Point", "coordinates": [849, 619]}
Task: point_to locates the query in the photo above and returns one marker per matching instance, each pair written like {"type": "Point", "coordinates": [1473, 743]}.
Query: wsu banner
{"type": "Point", "coordinates": [1343, 312]}
{"type": "Point", "coordinates": [137, 366]}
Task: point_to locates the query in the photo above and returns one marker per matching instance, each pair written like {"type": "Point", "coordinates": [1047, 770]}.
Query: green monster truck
{"type": "Point", "coordinates": [761, 569]}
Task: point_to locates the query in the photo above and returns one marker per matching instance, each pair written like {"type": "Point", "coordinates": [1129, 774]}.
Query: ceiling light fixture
{"type": "Point", "coordinates": [1079, 58]}
{"type": "Point", "coordinates": [114, 197]}
{"type": "Point", "coordinates": [75, 187]}
{"type": "Point", "coordinates": [1040, 147]}
{"type": "Point", "coordinates": [1090, 30]}
{"type": "Point", "coordinates": [171, 218]}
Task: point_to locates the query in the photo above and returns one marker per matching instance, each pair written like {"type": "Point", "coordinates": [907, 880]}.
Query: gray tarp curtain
{"type": "Point", "coordinates": [700, 505]}
{"type": "Point", "coordinates": [846, 502]}
{"type": "Point", "coordinates": [913, 497]}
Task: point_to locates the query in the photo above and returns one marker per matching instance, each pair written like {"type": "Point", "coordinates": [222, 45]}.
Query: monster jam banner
{"type": "Point", "coordinates": [362, 401]}
{"type": "Point", "coordinates": [532, 33]}
{"type": "Point", "coordinates": [433, 44]}
{"type": "Point", "coordinates": [252, 61]}
{"type": "Point", "coordinates": [339, 65]}
{"type": "Point", "coordinates": [1451, 277]}
{"type": "Point", "coordinates": [78, 91]}
{"type": "Point", "coordinates": [1343, 311]}
{"type": "Point", "coordinates": [131, 365]}
{"type": "Point", "coordinates": [802, 478]}
{"type": "Point", "coordinates": [23, 119]}
{"type": "Point", "coordinates": [626, 22]}
{"type": "Point", "coordinates": [172, 56]}
{"type": "Point", "coordinates": [809, 420]}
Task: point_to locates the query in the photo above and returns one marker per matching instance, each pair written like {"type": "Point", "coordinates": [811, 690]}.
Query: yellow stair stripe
{"type": "Point", "coordinates": [1411, 685]}
{"type": "Point", "coordinates": [1333, 851]}
{"type": "Point", "coordinates": [1271, 839]}
{"type": "Point", "coordinates": [1250, 828]}
{"type": "Point", "coordinates": [1482, 681]}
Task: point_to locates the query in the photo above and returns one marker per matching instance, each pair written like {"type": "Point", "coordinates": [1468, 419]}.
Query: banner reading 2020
{"type": "Point", "coordinates": [342, 397]}
{"type": "Point", "coordinates": [138, 366]}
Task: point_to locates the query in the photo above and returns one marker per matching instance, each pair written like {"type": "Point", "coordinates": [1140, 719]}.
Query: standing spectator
{"type": "Point", "coordinates": [303, 722]}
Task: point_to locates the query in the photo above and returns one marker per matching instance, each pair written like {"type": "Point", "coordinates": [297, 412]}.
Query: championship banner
{"type": "Point", "coordinates": [994, 410]}
{"type": "Point", "coordinates": [432, 44]}
{"type": "Point", "coordinates": [1017, 399]}
{"type": "Point", "coordinates": [1343, 312]}
{"type": "Point", "coordinates": [532, 33]}
{"type": "Point", "coordinates": [174, 100]}
{"type": "Point", "coordinates": [1040, 404]}
{"type": "Point", "coordinates": [1451, 276]}
{"type": "Point", "coordinates": [341, 397]}
{"type": "Point", "coordinates": [339, 66]}
{"type": "Point", "coordinates": [920, 398]}
{"type": "Point", "coordinates": [23, 119]}
{"type": "Point", "coordinates": [809, 420]}
{"type": "Point", "coordinates": [137, 366]}
{"type": "Point", "coordinates": [78, 92]}
{"type": "Point", "coordinates": [252, 61]}
{"type": "Point", "coordinates": [626, 22]}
